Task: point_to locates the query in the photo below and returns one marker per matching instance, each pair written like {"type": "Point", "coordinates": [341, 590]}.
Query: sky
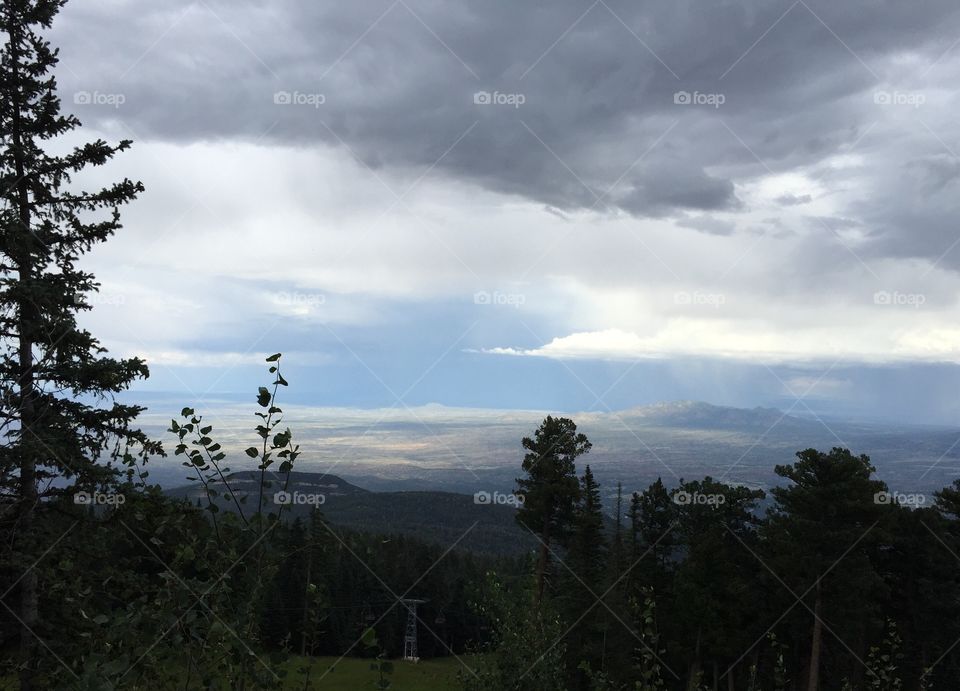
{"type": "Point", "coordinates": [559, 205]}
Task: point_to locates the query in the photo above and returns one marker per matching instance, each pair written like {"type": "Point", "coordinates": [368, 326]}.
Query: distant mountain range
{"type": "Point", "coordinates": [699, 415]}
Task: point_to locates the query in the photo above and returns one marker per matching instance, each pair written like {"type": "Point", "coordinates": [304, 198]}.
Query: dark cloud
{"type": "Point", "coordinates": [706, 224]}
{"type": "Point", "coordinates": [654, 109]}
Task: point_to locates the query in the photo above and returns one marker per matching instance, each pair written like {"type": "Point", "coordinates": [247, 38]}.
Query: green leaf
{"type": "Point", "coordinates": [186, 412]}
{"type": "Point", "coordinates": [252, 452]}
{"type": "Point", "coordinates": [263, 397]}
{"type": "Point", "coordinates": [274, 357]}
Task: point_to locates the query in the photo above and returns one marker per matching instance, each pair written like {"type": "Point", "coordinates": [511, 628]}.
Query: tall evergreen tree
{"type": "Point", "coordinates": [633, 536]}
{"type": "Point", "coordinates": [616, 545]}
{"type": "Point", "coordinates": [654, 515]}
{"type": "Point", "coordinates": [588, 542]}
{"type": "Point", "coordinates": [550, 488]}
{"type": "Point", "coordinates": [59, 418]}
{"type": "Point", "coordinates": [819, 535]}
{"type": "Point", "coordinates": [715, 588]}
{"type": "Point", "coordinates": [586, 559]}
{"type": "Point", "coordinates": [924, 598]}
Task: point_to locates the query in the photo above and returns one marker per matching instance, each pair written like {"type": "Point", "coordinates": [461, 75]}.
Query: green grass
{"type": "Point", "coordinates": [351, 674]}
{"type": "Point", "coordinates": [354, 674]}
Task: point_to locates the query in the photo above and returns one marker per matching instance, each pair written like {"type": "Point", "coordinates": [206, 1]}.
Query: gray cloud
{"type": "Point", "coordinates": [584, 110]}
{"type": "Point", "coordinates": [793, 199]}
{"type": "Point", "coordinates": [706, 224]}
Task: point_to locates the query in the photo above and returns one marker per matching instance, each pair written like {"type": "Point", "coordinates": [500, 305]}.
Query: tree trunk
{"type": "Point", "coordinates": [543, 560]}
{"type": "Point", "coordinates": [813, 679]}
{"type": "Point", "coordinates": [25, 383]}
{"type": "Point", "coordinates": [754, 667]}
{"type": "Point", "coordinates": [693, 682]}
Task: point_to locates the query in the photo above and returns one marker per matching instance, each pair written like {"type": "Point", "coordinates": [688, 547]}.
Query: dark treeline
{"type": "Point", "coordinates": [838, 585]}
{"type": "Point", "coordinates": [358, 578]}
{"type": "Point", "coordinates": [327, 585]}
{"type": "Point", "coordinates": [834, 586]}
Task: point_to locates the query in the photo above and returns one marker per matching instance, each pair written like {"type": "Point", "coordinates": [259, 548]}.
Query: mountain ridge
{"type": "Point", "coordinates": [439, 517]}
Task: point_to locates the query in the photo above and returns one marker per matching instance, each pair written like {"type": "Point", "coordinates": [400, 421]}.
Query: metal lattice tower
{"type": "Point", "coordinates": [410, 635]}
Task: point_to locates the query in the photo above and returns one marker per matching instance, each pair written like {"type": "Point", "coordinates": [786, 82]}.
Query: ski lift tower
{"type": "Point", "coordinates": [410, 635]}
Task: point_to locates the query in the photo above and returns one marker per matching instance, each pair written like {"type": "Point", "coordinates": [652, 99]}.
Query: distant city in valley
{"type": "Point", "coordinates": [464, 450]}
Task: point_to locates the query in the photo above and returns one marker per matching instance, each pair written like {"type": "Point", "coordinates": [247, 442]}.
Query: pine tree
{"type": "Point", "coordinates": [550, 488]}
{"type": "Point", "coordinates": [616, 546]}
{"type": "Point", "coordinates": [819, 535]}
{"type": "Point", "coordinates": [653, 516]}
{"type": "Point", "coordinates": [714, 583]}
{"type": "Point", "coordinates": [59, 417]}
{"type": "Point", "coordinates": [588, 543]}
{"type": "Point", "coordinates": [633, 537]}
{"type": "Point", "coordinates": [586, 560]}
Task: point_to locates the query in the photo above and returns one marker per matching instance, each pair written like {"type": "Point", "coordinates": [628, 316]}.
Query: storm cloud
{"type": "Point", "coordinates": [649, 109]}
{"type": "Point", "coordinates": [739, 181]}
